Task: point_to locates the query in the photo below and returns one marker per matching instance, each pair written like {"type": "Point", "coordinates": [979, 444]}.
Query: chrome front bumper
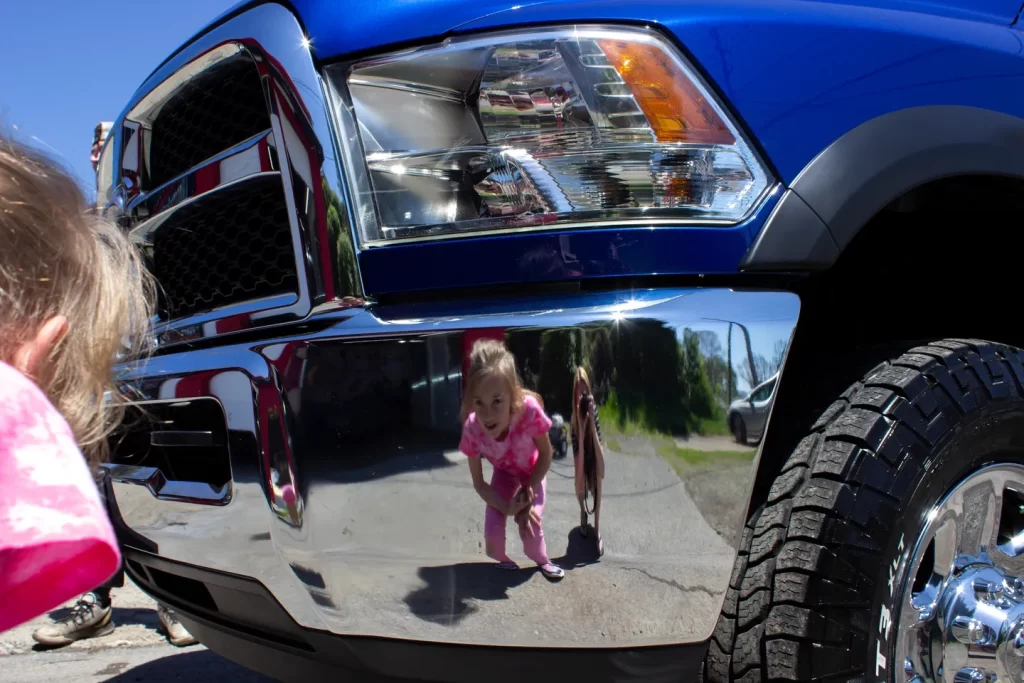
{"type": "Point", "coordinates": [384, 536]}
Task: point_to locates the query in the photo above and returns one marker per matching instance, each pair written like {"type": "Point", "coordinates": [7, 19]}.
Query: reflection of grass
{"type": "Point", "coordinates": [613, 421]}
{"type": "Point", "coordinates": [617, 433]}
{"type": "Point", "coordinates": [715, 427]}
{"type": "Point", "coordinates": [678, 457]}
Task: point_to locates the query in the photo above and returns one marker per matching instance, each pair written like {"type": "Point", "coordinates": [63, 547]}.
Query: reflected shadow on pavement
{"type": "Point", "coordinates": [445, 598]}
{"type": "Point", "coordinates": [579, 552]}
{"type": "Point", "coordinates": [452, 589]}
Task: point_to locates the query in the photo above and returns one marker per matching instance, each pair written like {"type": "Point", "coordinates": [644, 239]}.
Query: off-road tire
{"type": "Point", "coordinates": [816, 563]}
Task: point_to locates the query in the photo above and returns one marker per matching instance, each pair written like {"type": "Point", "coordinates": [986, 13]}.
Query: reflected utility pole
{"type": "Point", "coordinates": [728, 362]}
{"type": "Point", "coordinates": [754, 379]}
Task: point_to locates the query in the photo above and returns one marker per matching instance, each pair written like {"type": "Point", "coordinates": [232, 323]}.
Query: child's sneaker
{"type": "Point", "coordinates": [552, 571]}
{"type": "Point", "coordinates": [176, 633]}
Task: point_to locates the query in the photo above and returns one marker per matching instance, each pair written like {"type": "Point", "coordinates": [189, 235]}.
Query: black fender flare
{"type": "Point", "coordinates": [872, 165]}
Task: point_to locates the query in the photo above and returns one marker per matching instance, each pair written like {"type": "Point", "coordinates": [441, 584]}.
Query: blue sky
{"type": "Point", "coordinates": [65, 65]}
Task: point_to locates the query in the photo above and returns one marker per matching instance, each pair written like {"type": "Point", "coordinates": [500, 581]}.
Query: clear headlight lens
{"type": "Point", "coordinates": [547, 128]}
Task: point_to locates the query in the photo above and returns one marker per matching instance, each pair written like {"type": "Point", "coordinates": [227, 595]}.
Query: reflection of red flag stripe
{"type": "Point", "coordinates": [470, 337]}
{"type": "Point", "coordinates": [194, 386]}
{"type": "Point", "coordinates": [268, 398]}
{"type": "Point", "coordinates": [319, 205]}
{"type": "Point", "coordinates": [289, 366]}
{"type": "Point", "coordinates": [233, 324]}
{"type": "Point", "coordinates": [207, 178]}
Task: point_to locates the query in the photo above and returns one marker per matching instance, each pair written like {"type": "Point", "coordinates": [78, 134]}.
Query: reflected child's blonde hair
{"type": "Point", "coordinates": [580, 376]}
{"type": "Point", "coordinates": [487, 359]}
{"type": "Point", "coordinates": [58, 258]}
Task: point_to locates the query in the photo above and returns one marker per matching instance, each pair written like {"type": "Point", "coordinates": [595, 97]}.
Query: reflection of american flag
{"type": "Point", "coordinates": [99, 135]}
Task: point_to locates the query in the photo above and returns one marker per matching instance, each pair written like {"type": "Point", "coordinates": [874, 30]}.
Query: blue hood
{"type": "Point", "coordinates": [339, 27]}
{"type": "Point", "coordinates": [342, 26]}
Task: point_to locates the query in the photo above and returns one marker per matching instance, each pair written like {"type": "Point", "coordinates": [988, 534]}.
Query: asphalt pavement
{"type": "Point", "coordinates": [405, 552]}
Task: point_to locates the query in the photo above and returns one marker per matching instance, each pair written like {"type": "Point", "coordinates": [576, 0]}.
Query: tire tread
{"type": "Point", "coordinates": [799, 601]}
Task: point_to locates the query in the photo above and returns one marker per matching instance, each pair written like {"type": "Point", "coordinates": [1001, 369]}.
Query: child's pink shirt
{"type": "Point", "coordinates": [56, 541]}
{"type": "Point", "coordinates": [516, 453]}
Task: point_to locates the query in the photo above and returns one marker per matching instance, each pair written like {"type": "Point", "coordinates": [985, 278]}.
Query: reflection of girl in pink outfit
{"type": "Point", "coordinates": [506, 424]}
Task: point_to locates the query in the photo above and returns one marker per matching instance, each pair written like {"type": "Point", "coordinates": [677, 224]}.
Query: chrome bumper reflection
{"type": "Point", "coordinates": [351, 502]}
{"type": "Point", "coordinates": [154, 481]}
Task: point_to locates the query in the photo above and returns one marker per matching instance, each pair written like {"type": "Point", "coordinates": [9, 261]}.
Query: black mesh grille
{"type": "Point", "coordinates": [232, 246]}
{"type": "Point", "coordinates": [216, 110]}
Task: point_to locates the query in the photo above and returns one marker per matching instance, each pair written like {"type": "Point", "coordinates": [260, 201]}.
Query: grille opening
{"type": "Point", "coordinates": [139, 569]}
{"type": "Point", "coordinates": [186, 441]}
{"type": "Point", "coordinates": [214, 111]}
{"type": "Point", "coordinates": [186, 590]}
{"type": "Point", "coordinates": [232, 246]}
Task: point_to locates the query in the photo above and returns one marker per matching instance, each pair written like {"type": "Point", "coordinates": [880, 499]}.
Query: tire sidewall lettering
{"type": "Point", "coordinates": [884, 623]}
{"type": "Point", "coordinates": [941, 469]}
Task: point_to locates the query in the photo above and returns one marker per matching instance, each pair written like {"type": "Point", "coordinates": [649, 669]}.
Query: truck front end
{"type": "Point", "coordinates": [334, 215]}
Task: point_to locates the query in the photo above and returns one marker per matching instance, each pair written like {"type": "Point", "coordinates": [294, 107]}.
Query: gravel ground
{"type": "Point", "coordinates": [135, 651]}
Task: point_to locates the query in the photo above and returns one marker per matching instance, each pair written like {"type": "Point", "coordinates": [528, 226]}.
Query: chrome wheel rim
{"type": "Point", "coordinates": [960, 615]}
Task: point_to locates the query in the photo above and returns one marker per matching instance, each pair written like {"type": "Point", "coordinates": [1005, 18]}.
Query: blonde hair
{"type": "Point", "coordinates": [487, 359]}
{"type": "Point", "coordinates": [60, 258]}
{"type": "Point", "coordinates": [580, 376]}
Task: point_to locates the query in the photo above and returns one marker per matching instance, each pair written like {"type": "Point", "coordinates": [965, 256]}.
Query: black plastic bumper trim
{"type": "Point", "coordinates": [247, 625]}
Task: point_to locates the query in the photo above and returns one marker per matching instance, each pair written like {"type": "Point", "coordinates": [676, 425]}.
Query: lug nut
{"type": "Point", "coordinates": [987, 589]}
{"type": "Point", "coordinates": [1018, 643]}
{"type": "Point", "coordinates": [970, 674]}
{"type": "Point", "coordinates": [968, 631]}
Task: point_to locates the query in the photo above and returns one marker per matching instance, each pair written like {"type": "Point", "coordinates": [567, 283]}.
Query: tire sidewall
{"type": "Point", "coordinates": [991, 436]}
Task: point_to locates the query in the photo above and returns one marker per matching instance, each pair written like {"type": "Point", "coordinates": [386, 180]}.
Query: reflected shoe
{"type": "Point", "coordinates": [552, 571]}
{"type": "Point", "coordinates": [88, 619]}
{"type": "Point", "coordinates": [176, 633]}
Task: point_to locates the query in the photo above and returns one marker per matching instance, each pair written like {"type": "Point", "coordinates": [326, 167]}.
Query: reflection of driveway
{"type": "Point", "coordinates": [713, 443]}
{"type": "Point", "coordinates": [403, 556]}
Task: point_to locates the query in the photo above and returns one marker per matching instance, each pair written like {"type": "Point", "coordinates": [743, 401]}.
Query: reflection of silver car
{"type": "Point", "coordinates": [747, 416]}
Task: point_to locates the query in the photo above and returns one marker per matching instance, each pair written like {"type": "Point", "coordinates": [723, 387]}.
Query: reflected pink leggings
{"type": "Point", "coordinates": [505, 484]}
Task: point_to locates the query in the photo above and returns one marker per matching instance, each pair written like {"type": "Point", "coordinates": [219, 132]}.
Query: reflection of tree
{"type": "Point", "coordinates": [654, 379]}
{"type": "Point", "coordinates": [765, 367]}
{"type": "Point", "coordinates": [659, 382]}
{"type": "Point", "coordinates": [700, 395]}
{"type": "Point", "coordinates": [339, 230]}
{"type": "Point", "coordinates": [723, 382]}
{"type": "Point", "coordinates": [525, 346]}
{"type": "Point", "coordinates": [547, 362]}
{"type": "Point", "coordinates": [648, 375]}
{"type": "Point", "coordinates": [599, 360]}
{"type": "Point", "coordinates": [560, 353]}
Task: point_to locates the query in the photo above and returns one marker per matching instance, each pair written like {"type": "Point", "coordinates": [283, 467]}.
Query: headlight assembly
{"type": "Point", "coordinates": [567, 127]}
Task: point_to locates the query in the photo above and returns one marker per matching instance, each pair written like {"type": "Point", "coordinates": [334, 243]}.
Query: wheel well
{"type": "Point", "coordinates": [937, 262]}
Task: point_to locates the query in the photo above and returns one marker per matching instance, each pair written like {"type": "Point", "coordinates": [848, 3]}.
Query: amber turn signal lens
{"type": "Point", "coordinates": [675, 109]}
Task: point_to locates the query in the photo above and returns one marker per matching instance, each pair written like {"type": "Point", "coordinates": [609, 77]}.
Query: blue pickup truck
{"type": "Point", "coordinates": [675, 201]}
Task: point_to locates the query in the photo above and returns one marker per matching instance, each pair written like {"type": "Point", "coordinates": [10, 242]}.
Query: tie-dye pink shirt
{"type": "Point", "coordinates": [55, 539]}
{"type": "Point", "coordinates": [516, 453]}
